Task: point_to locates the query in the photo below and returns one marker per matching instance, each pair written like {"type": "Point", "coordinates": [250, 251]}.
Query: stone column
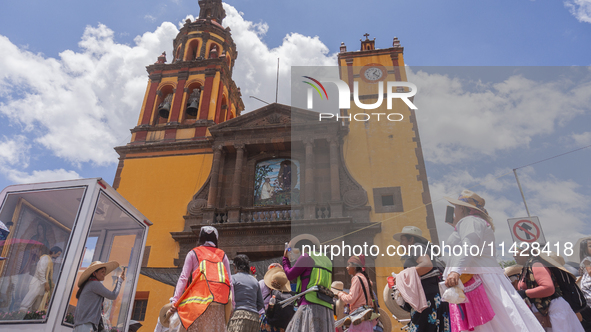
{"type": "Point", "coordinates": [310, 204]}
{"type": "Point", "coordinates": [234, 212]}
{"type": "Point", "coordinates": [214, 177]}
{"type": "Point", "coordinates": [237, 174]}
{"type": "Point", "coordinates": [336, 205]}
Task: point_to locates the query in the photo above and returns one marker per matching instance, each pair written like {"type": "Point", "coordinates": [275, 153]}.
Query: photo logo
{"type": "Point", "coordinates": [392, 93]}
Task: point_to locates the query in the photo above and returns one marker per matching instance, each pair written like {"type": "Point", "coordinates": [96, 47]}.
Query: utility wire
{"type": "Point", "coordinates": [440, 199]}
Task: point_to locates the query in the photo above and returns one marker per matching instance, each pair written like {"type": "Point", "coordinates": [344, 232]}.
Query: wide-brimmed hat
{"type": "Point", "coordinates": [412, 231]}
{"type": "Point", "coordinates": [392, 306]}
{"type": "Point", "coordinates": [470, 199]}
{"type": "Point", "coordinates": [385, 320]}
{"type": "Point", "coordinates": [513, 270]}
{"type": "Point", "coordinates": [555, 260]}
{"type": "Point", "coordinates": [276, 279]}
{"type": "Point", "coordinates": [110, 266]}
{"type": "Point", "coordinates": [337, 286]}
{"type": "Point", "coordinates": [163, 320]}
{"type": "Point", "coordinates": [302, 237]}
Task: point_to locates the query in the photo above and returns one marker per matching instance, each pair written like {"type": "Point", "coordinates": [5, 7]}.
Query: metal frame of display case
{"type": "Point", "coordinates": [73, 251]}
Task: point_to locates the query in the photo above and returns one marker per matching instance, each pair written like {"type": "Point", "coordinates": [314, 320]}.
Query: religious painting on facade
{"type": "Point", "coordinates": [277, 182]}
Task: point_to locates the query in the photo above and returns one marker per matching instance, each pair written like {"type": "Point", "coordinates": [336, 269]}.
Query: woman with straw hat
{"type": "Point", "coordinates": [538, 284]}
{"type": "Point", "coordinates": [310, 269]}
{"type": "Point", "coordinates": [473, 227]}
{"type": "Point", "coordinates": [434, 318]}
{"type": "Point", "coordinates": [91, 294]}
{"type": "Point", "coordinates": [276, 318]}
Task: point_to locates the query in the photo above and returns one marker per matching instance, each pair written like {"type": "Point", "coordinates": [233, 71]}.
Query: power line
{"type": "Point", "coordinates": [440, 199]}
{"type": "Point", "coordinates": [560, 155]}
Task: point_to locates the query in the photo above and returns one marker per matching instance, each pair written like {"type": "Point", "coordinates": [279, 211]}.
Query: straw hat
{"type": "Point", "coordinates": [513, 270]}
{"type": "Point", "coordinates": [555, 260]}
{"type": "Point", "coordinates": [392, 306]}
{"type": "Point", "coordinates": [385, 320]}
{"type": "Point", "coordinates": [470, 199]}
{"type": "Point", "coordinates": [163, 320]}
{"type": "Point", "coordinates": [412, 231]}
{"type": "Point", "coordinates": [301, 237]}
{"type": "Point", "coordinates": [276, 279]}
{"type": "Point", "coordinates": [337, 286]}
{"type": "Point", "coordinates": [110, 266]}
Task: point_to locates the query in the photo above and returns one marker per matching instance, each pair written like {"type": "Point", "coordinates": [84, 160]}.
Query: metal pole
{"type": "Point", "coordinates": [521, 191]}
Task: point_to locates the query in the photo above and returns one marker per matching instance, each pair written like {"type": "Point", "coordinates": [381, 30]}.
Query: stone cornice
{"type": "Point", "coordinates": [164, 146]}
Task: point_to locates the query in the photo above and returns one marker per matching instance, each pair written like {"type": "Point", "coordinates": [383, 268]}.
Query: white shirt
{"type": "Point", "coordinates": [472, 231]}
{"type": "Point", "coordinates": [41, 270]}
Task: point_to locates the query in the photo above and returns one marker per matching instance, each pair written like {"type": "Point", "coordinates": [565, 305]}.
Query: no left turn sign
{"type": "Point", "coordinates": [526, 230]}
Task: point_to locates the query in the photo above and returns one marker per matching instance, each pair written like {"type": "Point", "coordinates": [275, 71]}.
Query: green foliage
{"type": "Point", "coordinates": [505, 264]}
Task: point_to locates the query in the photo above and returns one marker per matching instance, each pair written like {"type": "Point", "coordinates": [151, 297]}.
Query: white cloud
{"type": "Point", "coordinates": [256, 67]}
{"type": "Point", "coordinates": [88, 255]}
{"type": "Point", "coordinates": [582, 139]}
{"type": "Point", "coordinates": [461, 120]}
{"type": "Point", "coordinates": [580, 9]}
{"type": "Point", "coordinates": [150, 18]}
{"type": "Point", "coordinates": [17, 176]}
{"type": "Point", "coordinates": [14, 151]}
{"type": "Point", "coordinates": [83, 104]}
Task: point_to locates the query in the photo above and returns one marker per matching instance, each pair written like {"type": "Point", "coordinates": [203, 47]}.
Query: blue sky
{"type": "Point", "coordinates": [72, 78]}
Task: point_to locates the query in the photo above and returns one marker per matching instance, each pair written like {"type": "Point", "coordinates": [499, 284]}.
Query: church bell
{"type": "Point", "coordinates": [193, 108]}
{"type": "Point", "coordinates": [164, 107]}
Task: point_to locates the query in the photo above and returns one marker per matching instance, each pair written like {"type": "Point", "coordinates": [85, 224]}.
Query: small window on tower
{"type": "Point", "coordinates": [388, 200]}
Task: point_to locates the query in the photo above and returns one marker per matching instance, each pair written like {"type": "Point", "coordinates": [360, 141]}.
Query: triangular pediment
{"type": "Point", "coordinates": [269, 116]}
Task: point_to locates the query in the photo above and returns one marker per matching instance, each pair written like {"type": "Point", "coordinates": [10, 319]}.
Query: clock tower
{"type": "Point", "coordinates": [385, 156]}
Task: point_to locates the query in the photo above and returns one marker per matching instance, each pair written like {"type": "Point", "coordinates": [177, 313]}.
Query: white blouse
{"type": "Point", "coordinates": [476, 239]}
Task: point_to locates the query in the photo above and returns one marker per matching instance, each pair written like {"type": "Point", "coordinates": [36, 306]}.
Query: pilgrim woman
{"type": "Point", "coordinates": [499, 306]}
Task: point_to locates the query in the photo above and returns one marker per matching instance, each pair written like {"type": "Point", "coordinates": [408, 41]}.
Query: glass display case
{"type": "Point", "coordinates": [53, 232]}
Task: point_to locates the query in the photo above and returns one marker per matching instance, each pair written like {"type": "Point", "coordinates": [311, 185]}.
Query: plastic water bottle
{"type": "Point", "coordinates": [272, 301]}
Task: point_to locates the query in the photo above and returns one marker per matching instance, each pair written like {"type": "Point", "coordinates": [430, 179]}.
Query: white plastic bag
{"type": "Point", "coordinates": [398, 298]}
{"type": "Point", "coordinates": [453, 294]}
{"type": "Point", "coordinates": [175, 323]}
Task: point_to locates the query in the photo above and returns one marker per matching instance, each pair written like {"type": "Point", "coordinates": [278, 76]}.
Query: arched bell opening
{"type": "Point", "coordinates": [192, 50]}
{"type": "Point", "coordinates": [177, 54]}
{"type": "Point", "coordinates": [193, 101]}
{"type": "Point", "coordinates": [164, 102]}
{"type": "Point", "coordinates": [223, 110]}
{"type": "Point", "coordinates": [214, 51]}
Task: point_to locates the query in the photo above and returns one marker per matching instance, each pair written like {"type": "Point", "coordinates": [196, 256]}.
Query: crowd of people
{"type": "Point", "coordinates": [467, 293]}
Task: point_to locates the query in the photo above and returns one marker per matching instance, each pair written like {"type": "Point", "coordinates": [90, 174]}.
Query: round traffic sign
{"type": "Point", "coordinates": [526, 231]}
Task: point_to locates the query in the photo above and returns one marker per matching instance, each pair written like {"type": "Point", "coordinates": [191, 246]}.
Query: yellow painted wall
{"type": "Point", "coordinates": [161, 188]}
{"type": "Point", "coordinates": [382, 154]}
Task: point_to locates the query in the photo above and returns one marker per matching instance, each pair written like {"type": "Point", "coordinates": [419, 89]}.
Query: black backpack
{"type": "Point", "coordinates": [277, 316]}
{"type": "Point", "coordinates": [570, 290]}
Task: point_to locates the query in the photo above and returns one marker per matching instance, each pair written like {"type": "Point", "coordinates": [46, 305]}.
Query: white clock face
{"type": "Point", "coordinates": [373, 74]}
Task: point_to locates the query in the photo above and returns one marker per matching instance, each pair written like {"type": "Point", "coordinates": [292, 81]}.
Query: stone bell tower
{"type": "Point", "coordinates": [195, 90]}
{"type": "Point", "coordinates": [170, 154]}
{"type": "Point", "coordinates": [385, 156]}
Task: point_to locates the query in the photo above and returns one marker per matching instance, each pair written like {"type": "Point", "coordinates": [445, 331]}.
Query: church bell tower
{"type": "Point", "coordinates": [195, 89]}
{"type": "Point", "coordinates": [170, 154]}
{"type": "Point", "coordinates": [384, 153]}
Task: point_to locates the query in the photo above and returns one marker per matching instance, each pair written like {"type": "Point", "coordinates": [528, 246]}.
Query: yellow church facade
{"type": "Point", "coordinates": [195, 160]}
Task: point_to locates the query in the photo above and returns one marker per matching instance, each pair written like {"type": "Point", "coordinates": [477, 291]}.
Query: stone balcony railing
{"type": "Point", "coordinates": [272, 213]}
